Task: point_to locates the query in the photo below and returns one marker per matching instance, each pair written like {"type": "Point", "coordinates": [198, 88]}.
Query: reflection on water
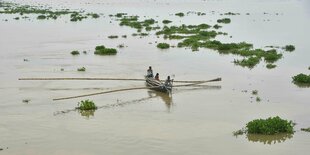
{"type": "Point", "coordinates": [166, 98]}
{"type": "Point", "coordinates": [87, 113]}
{"type": "Point", "coordinates": [269, 139]}
{"type": "Point", "coordinates": [302, 85]}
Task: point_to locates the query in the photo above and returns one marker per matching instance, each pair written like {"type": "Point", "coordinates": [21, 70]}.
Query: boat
{"type": "Point", "coordinates": [157, 85]}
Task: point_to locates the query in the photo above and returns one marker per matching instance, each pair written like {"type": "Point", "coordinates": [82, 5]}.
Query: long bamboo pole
{"type": "Point", "coordinates": [127, 89]}
{"type": "Point", "coordinates": [114, 79]}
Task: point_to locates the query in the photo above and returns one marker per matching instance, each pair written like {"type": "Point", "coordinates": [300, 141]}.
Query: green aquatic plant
{"type": "Point", "coordinates": [180, 14]}
{"type": "Point", "coordinates": [270, 126]}
{"type": "Point", "coordinates": [102, 50]}
{"type": "Point", "coordinates": [289, 48]}
{"type": "Point", "coordinates": [271, 66]}
{"type": "Point", "coordinates": [258, 99]}
{"type": "Point", "coordinates": [301, 79]}
{"type": "Point", "coordinates": [166, 21]}
{"type": "Point", "coordinates": [254, 92]}
{"type": "Point", "coordinates": [305, 129]}
{"type": "Point", "coordinates": [113, 36]}
{"type": "Point", "coordinates": [93, 15]}
{"type": "Point", "coordinates": [231, 13]}
{"type": "Point", "coordinates": [248, 62]}
{"type": "Point", "coordinates": [216, 26]}
{"type": "Point", "coordinates": [82, 69]}
{"type": "Point", "coordinates": [86, 105]}
{"type": "Point", "coordinates": [75, 52]}
{"type": "Point", "coordinates": [163, 45]}
{"type": "Point", "coordinates": [224, 20]}
{"type": "Point", "coordinates": [76, 16]}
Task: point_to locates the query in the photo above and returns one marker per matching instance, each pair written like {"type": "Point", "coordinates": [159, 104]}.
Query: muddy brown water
{"type": "Point", "coordinates": [194, 120]}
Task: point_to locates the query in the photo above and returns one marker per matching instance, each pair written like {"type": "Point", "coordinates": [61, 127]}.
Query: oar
{"type": "Point", "coordinates": [114, 79]}
{"type": "Point", "coordinates": [127, 89]}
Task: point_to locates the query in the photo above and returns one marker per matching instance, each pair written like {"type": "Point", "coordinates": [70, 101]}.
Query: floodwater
{"type": "Point", "coordinates": [194, 120]}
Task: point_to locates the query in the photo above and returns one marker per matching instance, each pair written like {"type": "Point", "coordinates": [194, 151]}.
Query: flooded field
{"type": "Point", "coordinates": [193, 120]}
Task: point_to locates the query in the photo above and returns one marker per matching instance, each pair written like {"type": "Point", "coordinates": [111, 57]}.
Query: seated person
{"type": "Point", "coordinates": [157, 77]}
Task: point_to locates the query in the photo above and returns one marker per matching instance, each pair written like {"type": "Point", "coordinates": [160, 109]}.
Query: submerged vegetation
{"type": "Point", "coordinates": [102, 50]}
{"type": "Point", "coordinates": [86, 105]}
{"type": "Point", "coordinates": [301, 79]}
{"type": "Point", "coordinates": [163, 45]}
{"type": "Point", "coordinates": [270, 126]}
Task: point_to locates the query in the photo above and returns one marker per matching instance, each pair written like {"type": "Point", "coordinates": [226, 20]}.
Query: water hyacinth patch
{"type": "Point", "coordinates": [270, 126]}
{"type": "Point", "coordinates": [86, 105]}
{"type": "Point", "coordinates": [102, 50]}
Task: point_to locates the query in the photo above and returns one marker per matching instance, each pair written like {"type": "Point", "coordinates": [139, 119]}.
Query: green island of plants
{"type": "Point", "coordinates": [270, 126]}
{"type": "Point", "coordinates": [75, 52]}
{"type": "Point", "coordinates": [167, 21]}
{"type": "Point", "coordinates": [86, 105]}
{"type": "Point", "coordinates": [301, 79]}
{"type": "Point", "coordinates": [180, 14]}
{"type": "Point", "coordinates": [199, 36]}
{"type": "Point", "coordinates": [82, 69]}
{"type": "Point", "coordinates": [133, 22]}
{"type": "Point", "coordinates": [113, 36]}
{"type": "Point", "coordinates": [163, 45]}
{"type": "Point", "coordinates": [102, 50]}
{"type": "Point", "coordinates": [224, 20]}
{"type": "Point", "coordinates": [289, 48]}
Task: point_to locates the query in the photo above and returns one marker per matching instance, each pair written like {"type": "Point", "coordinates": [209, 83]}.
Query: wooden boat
{"type": "Point", "coordinates": [157, 85]}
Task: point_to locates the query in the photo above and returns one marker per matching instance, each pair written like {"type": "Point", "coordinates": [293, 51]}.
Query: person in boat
{"type": "Point", "coordinates": [149, 72]}
{"type": "Point", "coordinates": [157, 77]}
{"type": "Point", "coordinates": [168, 82]}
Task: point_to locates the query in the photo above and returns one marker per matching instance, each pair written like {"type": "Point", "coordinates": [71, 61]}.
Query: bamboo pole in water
{"type": "Point", "coordinates": [115, 79]}
{"type": "Point", "coordinates": [127, 89]}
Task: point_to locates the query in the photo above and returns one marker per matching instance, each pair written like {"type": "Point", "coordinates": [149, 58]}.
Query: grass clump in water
{"type": "Point", "coordinates": [301, 79]}
{"type": "Point", "coordinates": [75, 52]}
{"type": "Point", "coordinates": [163, 45]}
{"type": "Point", "coordinates": [82, 69]}
{"type": "Point", "coordinates": [224, 20]}
{"type": "Point", "coordinates": [289, 48]}
{"type": "Point", "coordinates": [166, 21]}
{"type": "Point", "coordinates": [270, 126]}
{"type": "Point", "coordinates": [102, 50]}
{"type": "Point", "coordinates": [77, 17]}
{"type": "Point", "coordinates": [180, 14]}
{"type": "Point", "coordinates": [86, 105]}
